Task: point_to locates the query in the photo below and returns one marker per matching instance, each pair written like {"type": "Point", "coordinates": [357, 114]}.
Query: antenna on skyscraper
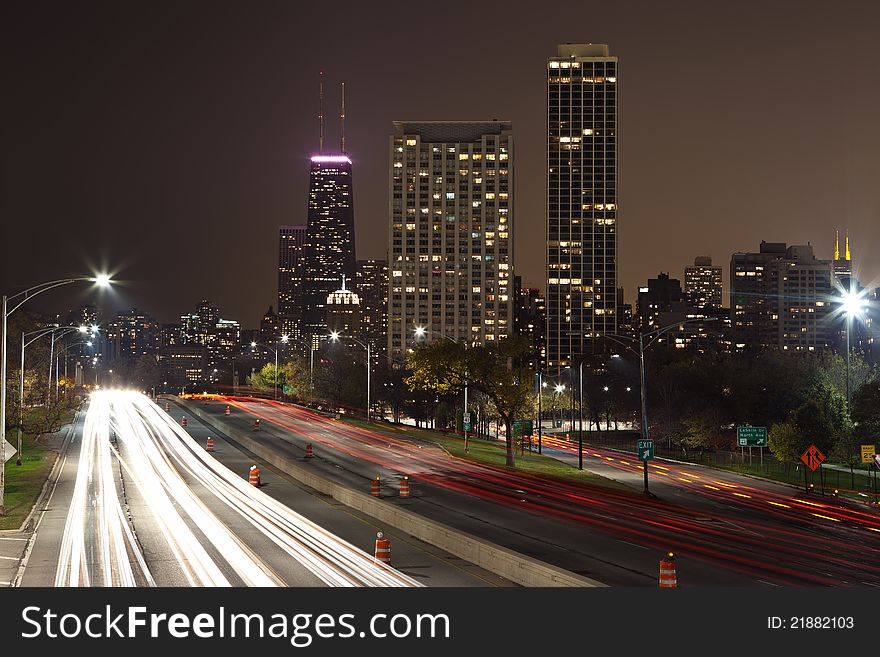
{"type": "Point", "coordinates": [321, 113]}
{"type": "Point", "coordinates": [342, 117]}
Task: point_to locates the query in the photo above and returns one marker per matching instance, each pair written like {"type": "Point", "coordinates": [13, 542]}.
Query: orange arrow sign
{"type": "Point", "coordinates": [812, 458]}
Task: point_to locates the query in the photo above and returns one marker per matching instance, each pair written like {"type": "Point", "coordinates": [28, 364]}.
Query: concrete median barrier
{"type": "Point", "coordinates": [511, 565]}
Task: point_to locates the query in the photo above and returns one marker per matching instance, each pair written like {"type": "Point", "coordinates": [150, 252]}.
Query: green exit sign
{"type": "Point", "coordinates": [646, 450]}
{"type": "Point", "coordinates": [751, 436]}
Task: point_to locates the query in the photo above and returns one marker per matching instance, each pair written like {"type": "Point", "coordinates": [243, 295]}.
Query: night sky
{"type": "Point", "coordinates": [167, 142]}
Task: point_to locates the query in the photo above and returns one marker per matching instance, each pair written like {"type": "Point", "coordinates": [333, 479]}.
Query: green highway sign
{"type": "Point", "coordinates": [751, 436]}
{"type": "Point", "coordinates": [286, 388]}
{"type": "Point", "coordinates": [522, 428]}
{"type": "Point", "coordinates": [466, 422]}
{"type": "Point", "coordinates": [646, 450]}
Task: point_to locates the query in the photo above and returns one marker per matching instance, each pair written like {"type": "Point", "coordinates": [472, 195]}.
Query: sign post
{"type": "Point", "coordinates": [466, 422]}
{"type": "Point", "coordinates": [813, 459]}
{"type": "Point", "coordinates": [646, 453]}
{"type": "Point", "coordinates": [748, 436]}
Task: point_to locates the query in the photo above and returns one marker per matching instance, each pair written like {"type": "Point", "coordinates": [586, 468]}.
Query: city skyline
{"type": "Point", "coordinates": [226, 172]}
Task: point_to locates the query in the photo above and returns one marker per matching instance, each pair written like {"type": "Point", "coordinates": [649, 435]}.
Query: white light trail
{"type": "Point", "coordinates": [165, 463]}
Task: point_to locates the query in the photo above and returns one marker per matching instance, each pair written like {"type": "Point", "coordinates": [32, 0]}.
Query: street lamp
{"type": "Point", "coordinates": [852, 304]}
{"type": "Point", "coordinates": [652, 336]}
{"type": "Point", "coordinates": [254, 345]}
{"type": "Point", "coordinates": [335, 336]}
{"type": "Point", "coordinates": [421, 332]}
{"type": "Point", "coordinates": [19, 299]}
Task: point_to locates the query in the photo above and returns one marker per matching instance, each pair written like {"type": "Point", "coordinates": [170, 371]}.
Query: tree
{"type": "Point", "coordinates": [866, 409]}
{"type": "Point", "coordinates": [268, 377]}
{"type": "Point", "coordinates": [785, 443]}
{"type": "Point", "coordinates": [444, 367]}
{"type": "Point", "coordinates": [297, 375]}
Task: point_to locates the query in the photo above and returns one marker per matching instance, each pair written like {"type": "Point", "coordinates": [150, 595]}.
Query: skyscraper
{"type": "Point", "coordinates": [703, 283]}
{"type": "Point", "coordinates": [450, 232]}
{"type": "Point", "coordinates": [842, 265]}
{"type": "Point", "coordinates": [581, 198]}
{"type": "Point", "coordinates": [329, 247]}
{"type": "Point", "coordinates": [329, 244]}
{"type": "Point", "coordinates": [372, 288]}
{"type": "Point", "coordinates": [343, 311]}
{"type": "Point", "coordinates": [291, 265]}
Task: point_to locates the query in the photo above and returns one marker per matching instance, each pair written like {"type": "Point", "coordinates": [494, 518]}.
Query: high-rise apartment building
{"type": "Point", "coordinates": [372, 288]}
{"type": "Point", "coordinates": [450, 232]}
{"type": "Point", "coordinates": [530, 321]}
{"type": "Point", "coordinates": [581, 199]}
{"type": "Point", "coordinates": [291, 265]}
{"type": "Point", "coordinates": [329, 243]}
{"type": "Point", "coordinates": [781, 297]}
{"type": "Point", "coordinates": [703, 283]}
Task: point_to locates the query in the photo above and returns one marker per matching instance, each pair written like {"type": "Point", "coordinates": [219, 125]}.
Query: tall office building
{"type": "Point", "coordinates": [581, 199]}
{"type": "Point", "coordinates": [781, 297]}
{"type": "Point", "coordinates": [703, 283]}
{"type": "Point", "coordinates": [291, 264]}
{"type": "Point", "coordinates": [372, 288]}
{"type": "Point", "coordinates": [842, 265]}
{"type": "Point", "coordinates": [329, 243]}
{"type": "Point", "coordinates": [450, 232]}
{"type": "Point", "coordinates": [344, 312]}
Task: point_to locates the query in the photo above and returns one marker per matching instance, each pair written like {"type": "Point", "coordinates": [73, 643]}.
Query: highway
{"type": "Point", "coordinates": [723, 533]}
{"type": "Point", "coordinates": [144, 504]}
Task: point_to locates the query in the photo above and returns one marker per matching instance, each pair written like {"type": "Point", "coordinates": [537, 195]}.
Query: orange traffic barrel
{"type": "Point", "coordinates": [227, 410]}
{"type": "Point", "coordinates": [375, 487]}
{"type": "Point", "coordinates": [167, 407]}
{"type": "Point", "coordinates": [404, 487]}
{"type": "Point", "coordinates": [309, 452]}
{"type": "Point", "coordinates": [183, 421]}
{"type": "Point", "coordinates": [254, 476]}
{"type": "Point", "coordinates": [667, 572]}
{"type": "Point", "coordinates": [257, 424]}
{"type": "Point", "coordinates": [209, 445]}
{"type": "Point", "coordinates": [383, 549]}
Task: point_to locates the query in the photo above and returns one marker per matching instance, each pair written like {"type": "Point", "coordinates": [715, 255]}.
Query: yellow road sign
{"type": "Point", "coordinates": [868, 452]}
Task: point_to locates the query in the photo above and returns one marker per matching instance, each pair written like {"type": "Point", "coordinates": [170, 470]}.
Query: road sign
{"type": "Point", "coordinates": [9, 451]}
{"type": "Point", "coordinates": [646, 450]}
{"type": "Point", "coordinates": [751, 436]}
{"type": "Point", "coordinates": [812, 458]}
{"type": "Point", "coordinates": [466, 421]}
{"type": "Point", "coordinates": [868, 452]}
{"type": "Point", "coordinates": [286, 388]}
{"type": "Point", "coordinates": [522, 428]}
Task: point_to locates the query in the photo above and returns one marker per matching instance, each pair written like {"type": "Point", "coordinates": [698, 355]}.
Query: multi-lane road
{"type": "Point", "coordinates": [140, 502]}
{"type": "Point", "coordinates": [725, 530]}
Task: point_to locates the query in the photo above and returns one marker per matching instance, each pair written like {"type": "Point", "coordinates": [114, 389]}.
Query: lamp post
{"type": "Point", "coordinates": [541, 386]}
{"type": "Point", "coordinates": [652, 336]}
{"type": "Point", "coordinates": [19, 300]}
{"type": "Point", "coordinates": [283, 340]}
{"type": "Point", "coordinates": [39, 334]}
{"type": "Point", "coordinates": [335, 336]}
{"type": "Point", "coordinates": [420, 332]}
